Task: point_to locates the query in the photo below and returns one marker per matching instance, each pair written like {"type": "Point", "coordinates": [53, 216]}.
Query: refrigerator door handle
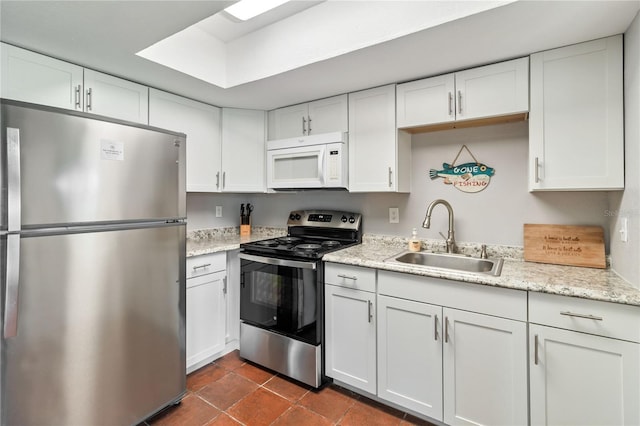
{"type": "Point", "coordinates": [13, 180]}
{"type": "Point", "coordinates": [11, 286]}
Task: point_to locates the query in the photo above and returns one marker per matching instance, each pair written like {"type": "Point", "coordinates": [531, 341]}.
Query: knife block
{"type": "Point", "coordinates": [245, 230]}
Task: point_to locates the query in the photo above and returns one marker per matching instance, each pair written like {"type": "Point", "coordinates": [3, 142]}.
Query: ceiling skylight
{"type": "Point", "coordinates": [247, 9]}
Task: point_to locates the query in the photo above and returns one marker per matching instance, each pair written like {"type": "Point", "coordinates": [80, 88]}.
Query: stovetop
{"type": "Point", "coordinates": [312, 234]}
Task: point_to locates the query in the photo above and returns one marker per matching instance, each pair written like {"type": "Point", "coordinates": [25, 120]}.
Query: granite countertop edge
{"type": "Point", "coordinates": [587, 283]}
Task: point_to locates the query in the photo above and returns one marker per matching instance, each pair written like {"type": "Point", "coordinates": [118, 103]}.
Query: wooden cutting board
{"type": "Point", "coordinates": [565, 245]}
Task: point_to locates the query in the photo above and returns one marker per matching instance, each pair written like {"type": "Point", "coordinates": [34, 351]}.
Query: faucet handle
{"type": "Point", "coordinates": [483, 251]}
{"type": "Point", "coordinates": [442, 235]}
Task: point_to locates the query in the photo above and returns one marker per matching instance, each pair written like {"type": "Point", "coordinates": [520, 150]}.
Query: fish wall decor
{"type": "Point", "coordinates": [467, 177]}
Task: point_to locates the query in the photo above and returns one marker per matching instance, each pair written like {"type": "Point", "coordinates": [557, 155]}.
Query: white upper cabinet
{"type": "Point", "coordinates": [313, 118]}
{"type": "Point", "coordinates": [38, 79]}
{"type": "Point", "coordinates": [201, 123]}
{"type": "Point", "coordinates": [35, 78]}
{"type": "Point", "coordinates": [576, 119]}
{"type": "Point", "coordinates": [379, 155]}
{"type": "Point", "coordinates": [490, 91]}
{"type": "Point", "coordinates": [243, 150]}
{"type": "Point", "coordinates": [115, 97]}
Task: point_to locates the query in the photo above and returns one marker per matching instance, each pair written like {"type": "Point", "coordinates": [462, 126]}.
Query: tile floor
{"type": "Point", "coordinates": [231, 391]}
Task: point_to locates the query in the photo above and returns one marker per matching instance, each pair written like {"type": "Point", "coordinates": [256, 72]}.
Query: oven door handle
{"type": "Point", "coordinates": [278, 262]}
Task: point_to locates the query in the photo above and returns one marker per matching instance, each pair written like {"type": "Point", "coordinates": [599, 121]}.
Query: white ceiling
{"type": "Point", "coordinates": [105, 35]}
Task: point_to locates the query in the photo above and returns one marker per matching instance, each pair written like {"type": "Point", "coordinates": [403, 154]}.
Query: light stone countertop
{"type": "Point", "coordinates": [215, 240]}
{"type": "Point", "coordinates": [589, 283]}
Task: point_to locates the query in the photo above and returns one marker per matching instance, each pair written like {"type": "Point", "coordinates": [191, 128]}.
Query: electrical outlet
{"type": "Point", "coordinates": [394, 215]}
{"type": "Point", "coordinates": [218, 211]}
{"type": "Point", "coordinates": [624, 229]}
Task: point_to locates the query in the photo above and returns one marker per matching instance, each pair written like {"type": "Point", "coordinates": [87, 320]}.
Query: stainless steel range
{"type": "Point", "coordinates": [281, 295]}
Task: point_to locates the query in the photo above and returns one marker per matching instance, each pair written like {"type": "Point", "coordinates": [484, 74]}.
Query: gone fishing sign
{"type": "Point", "coordinates": [467, 177]}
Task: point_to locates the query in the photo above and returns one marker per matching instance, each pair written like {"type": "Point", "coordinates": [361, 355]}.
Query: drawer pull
{"type": "Point", "coordinates": [535, 349]}
{"type": "Point", "coordinates": [446, 329]}
{"type": "Point", "coordinates": [347, 277]}
{"type": "Point", "coordinates": [206, 265]}
{"type": "Point", "coordinates": [370, 305]}
{"type": "Point", "coordinates": [435, 328]}
{"type": "Point", "coordinates": [586, 316]}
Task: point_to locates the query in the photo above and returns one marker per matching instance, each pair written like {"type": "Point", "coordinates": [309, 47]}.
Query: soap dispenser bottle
{"type": "Point", "coordinates": [414, 241]}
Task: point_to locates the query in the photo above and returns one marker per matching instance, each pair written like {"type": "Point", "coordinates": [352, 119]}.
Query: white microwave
{"type": "Point", "coordinates": [316, 161]}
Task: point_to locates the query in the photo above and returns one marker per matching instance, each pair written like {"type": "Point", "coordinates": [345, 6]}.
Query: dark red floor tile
{"type": "Point", "coordinates": [330, 402]}
{"type": "Point", "coordinates": [254, 373]}
{"type": "Point", "coordinates": [191, 411]}
{"type": "Point", "coordinates": [204, 376]}
{"type": "Point", "coordinates": [297, 416]}
{"type": "Point", "coordinates": [230, 361]}
{"type": "Point", "coordinates": [259, 408]}
{"type": "Point", "coordinates": [228, 390]}
{"type": "Point", "coordinates": [287, 388]}
{"type": "Point", "coordinates": [364, 413]}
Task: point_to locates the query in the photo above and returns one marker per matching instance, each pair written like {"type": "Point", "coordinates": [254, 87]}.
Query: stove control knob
{"type": "Point", "coordinates": [352, 219]}
{"type": "Point", "coordinates": [292, 217]}
{"type": "Point", "coordinates": [298, 217]}
{"type": "Point", "coordinates": [344, 219]}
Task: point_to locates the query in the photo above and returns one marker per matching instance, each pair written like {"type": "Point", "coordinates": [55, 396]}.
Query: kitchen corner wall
{"type": "Point", "coordinates": [493, 216]}
{"type": "Point", "coordinates": [624, 256]}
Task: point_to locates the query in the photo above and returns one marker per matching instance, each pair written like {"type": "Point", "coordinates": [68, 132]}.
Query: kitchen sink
{"type": "Point", "coordinates": [451, 262]}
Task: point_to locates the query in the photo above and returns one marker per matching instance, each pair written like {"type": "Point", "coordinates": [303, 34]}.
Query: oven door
{"type": "Point", "coordinates": [281, 295]}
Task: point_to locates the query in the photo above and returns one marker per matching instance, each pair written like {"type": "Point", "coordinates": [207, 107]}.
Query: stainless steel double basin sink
{"type": "Point", "coordinates": [449, 262]}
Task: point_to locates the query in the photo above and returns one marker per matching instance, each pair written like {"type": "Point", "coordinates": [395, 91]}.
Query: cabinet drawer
{"type": "Point", "coordinates": [355, 277]}
{"type": "Point", "coordinates": [588, 316]}
{"type": "Point", "coordinates": [206, 264]}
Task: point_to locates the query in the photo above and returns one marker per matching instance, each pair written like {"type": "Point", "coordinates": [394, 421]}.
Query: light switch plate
{"type": "Point", "coordinates": [218, 211]}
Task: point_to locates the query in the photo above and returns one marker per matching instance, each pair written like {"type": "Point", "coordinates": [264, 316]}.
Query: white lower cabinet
{"type": "Point", "coordinates": [410, 355]}
{"type": "Point", "coordinates": [206, 309]}
{"type": "Point", "coordinates": [485, 369]}
{"type": "Point", "coordinates": [584, 362]}
{"type": "Point", "coordinates": [452, 351]}
{"type": "Point", "coordinates": [350, 337]}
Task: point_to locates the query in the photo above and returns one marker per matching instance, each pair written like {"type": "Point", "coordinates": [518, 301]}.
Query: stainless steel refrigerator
{"type": "Point", "coordinates": [93, 281]}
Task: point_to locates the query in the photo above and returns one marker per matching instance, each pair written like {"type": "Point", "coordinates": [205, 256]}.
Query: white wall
{"type": "Point", "coordinates": [493, 216]}
{"type": "Point", "coordinates": [624, 256]}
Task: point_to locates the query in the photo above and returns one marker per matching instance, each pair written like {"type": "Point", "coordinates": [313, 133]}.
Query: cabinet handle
{"type": "Point", "coordinates": [89, 97]}
{"type": "Point", "coordinates": [586, 316]}
{"type": "Point", "coordinates": [77, 96]}
{"type": "Point", "coordinates": [304, 126]}
{"type": "Point", "coordinates": [206, 265]}
{"type": "Point", "coordinates": [459, 102]}
{"type": "Point", "coordinates": [370, 305]}
{"type": "Point", "coordinates": [435, 328]}
{"type": "Point", "coordinates": [450, 104]}
{"type": "Point", "coordinates": [536, 166]}
{"type": "Point", "coordinates": [218, 180]}
{"type": "Point", "coordinates": [347, 277]}
{"type": "Point", "coordinates": [224, 285]}
{"type": "Point", "coordinates": [224, 179]}
{"type": "Point", "coordinates": [308, 125]}
{"type": "Point", "coordinates": [535, 349]}
{"type": "Point", "coordinates": [446, 329]}
{"type": "Point", "coordinates": [390, 180]}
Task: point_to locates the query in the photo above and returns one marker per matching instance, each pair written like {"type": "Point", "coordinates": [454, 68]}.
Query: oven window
{"type": "Point", "coordinates": [280, 298]}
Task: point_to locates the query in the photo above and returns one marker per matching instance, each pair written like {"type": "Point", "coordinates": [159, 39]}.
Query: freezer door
{"type": "Point", "coordinates": [100, 328]}
{"type": "Point", "coordinates": [76, 169]}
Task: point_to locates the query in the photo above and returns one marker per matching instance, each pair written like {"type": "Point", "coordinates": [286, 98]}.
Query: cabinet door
{"type": "Point", "coordinates": [580, 379]}
{"type": "Point", "coordinates": [243, 150]}
{"type": "Point", "coordinates": [410, 355]}
{"type": "Point", "coordinates": [114, 97]}
{"type": "Point", "coordinates": [427, 101]}
{"type": "Point", "coordinates": [328, 115]}
{"type": "Point", "coordinates": [576, 118]}
{"type": "Point", "coordinates": [485, 369]}
{"type": "Point", "coordinates": [350, 337]}
{"type": "Point", "coordinates": [201, 123]}
{"type": "Point", "coordinates": [373, 149]}
{"type": "Point", "coordinates": [30, 77]}
{"type": "Point", "coordinates": [290, 121]}
{"type": "Point", "coordinates": [493, 90]}
{"type": "Point", "coordinates": [206, 317]}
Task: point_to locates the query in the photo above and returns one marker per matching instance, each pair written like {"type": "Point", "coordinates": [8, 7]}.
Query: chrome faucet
{"type": "Point", "coordinates": [451, 242]}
